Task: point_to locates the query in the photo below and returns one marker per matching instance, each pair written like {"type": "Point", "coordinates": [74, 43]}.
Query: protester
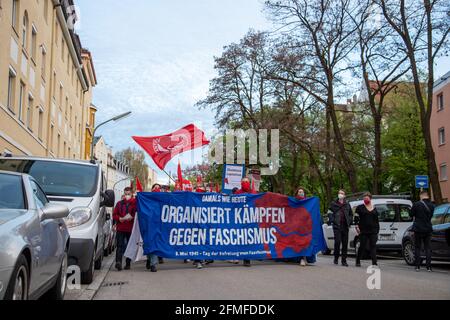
{"type": "Point", "coordinates": [123, 215]}
{"type": "Point", "coordinates": [152, 260]}
{"type": "Point", "coordinates": [246, 189]}
{"type": "Point", "coordinates": [368, 228]}
{"type": "Point", "coordinates": [422, 212]}
{"type": "Point", "coordinates": [340, 216]}
{"type": "Point", "coordinates": [300, 194]}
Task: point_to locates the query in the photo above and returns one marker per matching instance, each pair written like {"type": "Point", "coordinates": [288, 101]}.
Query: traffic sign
{"type": "Point", "coordinates": [422, 182]}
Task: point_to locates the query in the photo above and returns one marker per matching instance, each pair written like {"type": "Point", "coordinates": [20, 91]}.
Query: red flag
{"type": "Point", "coordinates": [163, 148]}
{"type": "Point", "coordinates": [253, 186]}
{"type": "Point", "coordinates": [180, 175]}
{"type": "Point", "coordinates": [139, 185]}
{"type": "Point", "coordinates": [199, 180]}
{"type": "Point", "coordinates": [217, 188]}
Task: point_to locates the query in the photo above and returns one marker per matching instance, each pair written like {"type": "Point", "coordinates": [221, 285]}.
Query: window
{"type": "Point", "coordinates": [441, 136]}
{"type": "Point", "coordinates": [11, 193]}
{"type": "Point", "coordinates": [15, 14]}
{"type": "Point", "coordinates": [386, 212]}
{"type": "Point", "coordinates": [46, 10]}
{"type": "Point", "coordinates": [52, 130]}
{"type": "Point", "coordinates": [21, 98]}
{"type": "Point", "coordinates": [30, 113]}
{"type": "Point", "coordinates": [44, 63]}
{"type": "Point", "coordinates": [63, 49]}
{"type": "Point", "coordinates": [11, 91]}
{"type": "Point", "coordinates": [447, 219]}
{"type": "Point", "coordinates": [70, 116]}
{"type": "Point", "coordinates": [60, 96]}
{"type": "Point", "coordinates": [443, 170]}
{"type": "Point", "coordinates": [39, 196]}
{"type": "Point", "coordinates": [405, 213]}
{"type": "Point", "coordinates": [440, 101]}
{"type": "Point", "coordinates": [58, 146]}
{"type": "Point", "coordinates": [40, 123]}
{"type": "Point", "coordinates": [25, 31]}
{"type": "Point", "coordinates": [33, 43]}
{"type": "Point", "coordinates": [66, 107]}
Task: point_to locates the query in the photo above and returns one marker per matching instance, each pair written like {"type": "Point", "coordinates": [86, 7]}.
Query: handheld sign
{"type": "Point", "coordinates": [232, 176]}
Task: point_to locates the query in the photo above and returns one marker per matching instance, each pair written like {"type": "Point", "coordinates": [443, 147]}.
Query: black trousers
{"type": "Point", "coordinates": [340, 239]}
{"type": "Point", "coordinates": [424, 238]}
{"type": "Point", "coordinates": [371, 240]}
{"type": "Point", "coordinates": [122, 239]}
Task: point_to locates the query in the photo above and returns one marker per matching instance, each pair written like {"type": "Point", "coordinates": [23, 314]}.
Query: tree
{"type": "Point", "coordinates": [135, 159]}
{"type": "Point", "coordinates": [382, 63]}
{"type": "Point", "coordinates": [325, 36]}
{"type": "Point", "coordinates": [423, 27]}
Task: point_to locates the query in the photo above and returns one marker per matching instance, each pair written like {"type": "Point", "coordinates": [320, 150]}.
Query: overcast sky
{"type": "Point", "coordinates": [155, 58]}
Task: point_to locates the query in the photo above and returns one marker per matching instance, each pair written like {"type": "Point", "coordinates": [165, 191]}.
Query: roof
{"type": "Point", "coordinates": [72, 161]}
{"type": "Point", "coordinates": [442, 80]}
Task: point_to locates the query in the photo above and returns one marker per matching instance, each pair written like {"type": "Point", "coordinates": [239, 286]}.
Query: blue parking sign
{"type": "Point", "coordinates": [422, 182]}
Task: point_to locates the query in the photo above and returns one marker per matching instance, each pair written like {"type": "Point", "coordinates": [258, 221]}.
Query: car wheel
{"type": "Point", "coordinates": [59, 290]}
{"type": "Point", "coordinates": [408, 252]}
{"type": "Point", "coordinates": [88, 276]}
{"type": "Point", "coordinates": [19, 283]}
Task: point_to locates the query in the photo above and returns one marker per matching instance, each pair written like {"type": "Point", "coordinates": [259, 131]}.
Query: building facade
{"type": "Point", "coordinates": [46, 80]}
{"type": "Point", "coordinates": [440, 130]}
{"type": "Point", "coordinates": [152, 179]}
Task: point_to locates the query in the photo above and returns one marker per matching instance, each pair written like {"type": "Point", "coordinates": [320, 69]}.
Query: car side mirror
{"type": "Point", "coordinates": [53, 211]}
{"type": "Point", "coordinates": [109, 198]}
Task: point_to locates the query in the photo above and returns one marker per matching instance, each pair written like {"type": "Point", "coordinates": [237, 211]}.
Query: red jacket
{"type": "Point", "coordinates": [122, 208]}
{"type": "Point", "coordinates": [245, 192]}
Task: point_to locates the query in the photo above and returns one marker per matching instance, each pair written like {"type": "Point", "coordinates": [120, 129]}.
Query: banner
{"type": "Point", "coordinates": [213, 226]}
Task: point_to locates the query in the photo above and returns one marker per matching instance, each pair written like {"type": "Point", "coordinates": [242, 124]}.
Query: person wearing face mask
{"type": "Point", "coordinates": [368, 228]}
{"type": "Point", "coordinates": [300, 194]}
{"type": "Point", "coordinates": [340, 216]}
{"type": "Point", "coordinates": [246, 188]}
{"type": "Point", "coordinates": [152, 260]}
{"type": "Point", "coordinates": [123, 215]}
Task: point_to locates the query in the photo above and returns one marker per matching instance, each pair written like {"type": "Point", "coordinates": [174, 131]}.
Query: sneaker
{"type": "Point", "coordinates": [429, 269]}
{"type": "Point", "coordinates": [344, 264]}
{"type": "Point", "coordinates": [336, 261]}
{"type": "Point", "coordinates": [303, 263]}
{"type": "Point", "coordinates": [118, 266]}
{"type": "Point", "coordinates": [199, 266]}
{"type": "Point", "coordinates": [127, 267]}
{"type": "Point", "coordinates": [247, 264]}
{"type": "Point", "coordinates": [417, 269]}
{"type": "Point", "coordinates": [153, 269]}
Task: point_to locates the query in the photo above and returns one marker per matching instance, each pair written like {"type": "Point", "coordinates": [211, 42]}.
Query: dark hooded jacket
{"type": "Point", "coordinates": [340, 215]}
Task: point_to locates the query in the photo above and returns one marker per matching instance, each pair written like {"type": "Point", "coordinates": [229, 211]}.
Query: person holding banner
{"type": "Point", "coordinates": [152, 260]}
{"type": "Point", "coordinates": [123, 215]}
{"type": "Point", "coordinates": [300, 194]}
{"type": "Point", "coordinates": [246, 188]}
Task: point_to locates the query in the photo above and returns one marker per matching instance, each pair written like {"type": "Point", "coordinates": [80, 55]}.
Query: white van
{"type": "Point", "coordinates": [394, 218]}
{"type": "Point", "coordinates": [81, 186]}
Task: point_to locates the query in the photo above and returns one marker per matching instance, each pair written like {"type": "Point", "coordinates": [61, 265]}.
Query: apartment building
{"type": "Point", "coordinates": [440, 129]}
{"type": "Point", "coordinates": [46, 81]}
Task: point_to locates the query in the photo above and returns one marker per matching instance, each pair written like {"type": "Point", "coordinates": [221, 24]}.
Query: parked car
{"type": "Point", "coordinates": [34, 241]}
{"type": "Point", "coordinates": [440, 238]}
{"type": "Point", "coordinates": [110, 233]}
{"type": "Point", "coordinates": [80, 185]}
{"type": "Point", "coordinates": [394, 219]}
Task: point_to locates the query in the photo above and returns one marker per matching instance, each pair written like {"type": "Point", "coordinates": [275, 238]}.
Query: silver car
{"type": "Point", "coordinates": [34, 241]}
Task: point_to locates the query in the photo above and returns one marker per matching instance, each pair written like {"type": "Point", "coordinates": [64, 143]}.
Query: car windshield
{"type": "Point", "coordinates": [57, 178]}
{"type": "Point", "coordinates": [11, 192]}
{"type": "Point", "coordinates": [386, 211]}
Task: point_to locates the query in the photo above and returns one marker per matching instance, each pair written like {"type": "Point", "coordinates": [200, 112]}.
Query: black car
{"type": "Point", "coordinates": [440, 239]}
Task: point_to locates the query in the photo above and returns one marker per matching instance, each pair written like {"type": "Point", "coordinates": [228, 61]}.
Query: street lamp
{"type": "Point", "coordinates": [115, 119]}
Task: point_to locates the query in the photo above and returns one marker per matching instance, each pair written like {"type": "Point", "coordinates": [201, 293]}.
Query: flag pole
{"type": "Point", "coordinates": [168, 175]}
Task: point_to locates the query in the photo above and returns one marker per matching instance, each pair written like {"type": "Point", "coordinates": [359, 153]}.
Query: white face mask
{"type": "Point", "coordinates": [341, 196]}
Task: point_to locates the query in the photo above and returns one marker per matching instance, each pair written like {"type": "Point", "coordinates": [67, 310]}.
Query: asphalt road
{"type": "Point", "coordinates": [266, 281]}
